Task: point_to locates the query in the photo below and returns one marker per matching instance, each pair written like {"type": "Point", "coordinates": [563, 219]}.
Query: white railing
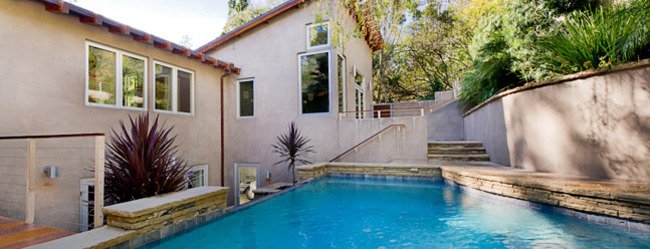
{"type": "Point", "coordinates": [45, 173]}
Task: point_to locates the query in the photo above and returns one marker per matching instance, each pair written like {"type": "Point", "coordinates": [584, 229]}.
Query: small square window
{"type": "Point", "coordinates": [197, 176]}
{"type": "Point", "coordinates": [318, 35]}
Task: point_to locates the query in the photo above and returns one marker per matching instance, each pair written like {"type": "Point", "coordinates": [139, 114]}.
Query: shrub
{"type": "Point", "coordinates": [601, 37]}
{"type": "Point", "coordinates": [490, 71]}
{"type": "Point", "coordinates": [292, 148]}
{"type": "Point", "coordinates": [142, 161]}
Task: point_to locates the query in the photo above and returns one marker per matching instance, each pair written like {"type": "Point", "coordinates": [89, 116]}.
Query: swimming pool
{"type": "Point", "coordinates": [336, 212]}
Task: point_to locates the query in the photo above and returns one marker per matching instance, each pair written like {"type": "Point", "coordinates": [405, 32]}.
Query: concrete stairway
{"type": "Point", "coordinates": [457, 151]}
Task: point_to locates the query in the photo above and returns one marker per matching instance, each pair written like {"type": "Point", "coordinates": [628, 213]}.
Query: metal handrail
{"type": "Point", "coordinates": [52, 136]}
{"type": "Point", "coordinates": [366, 140]}
{"type": "Point", "coordinates": [403, 108]}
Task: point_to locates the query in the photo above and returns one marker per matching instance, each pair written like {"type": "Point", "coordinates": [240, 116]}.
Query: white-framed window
{"type": "Point", "coordinates": [318, 35]}
{"type": "Point", "coordinates": [246, 98]}
{"type": "Point", "coordinates": [86, 204]}
{"type": "Point", "coordinates": [341, 75]}
{"type": "Point", "coordinates": [359, 94]}
{"type": "Point", "coordinates": [115, 78]}
{"type": "Point", "coordinates": [173, 89]}
{"type": "Point", "coordinates": [314, 82]}
{"type": "Point", "coordinates": [197, 176]}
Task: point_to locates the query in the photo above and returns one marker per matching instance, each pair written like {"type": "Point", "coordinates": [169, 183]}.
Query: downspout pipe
{"type": "Point", "coordinates": [221, 110]}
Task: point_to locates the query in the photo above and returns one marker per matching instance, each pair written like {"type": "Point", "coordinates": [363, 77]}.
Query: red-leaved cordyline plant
{"type": "Point", "coordinates": [142, 162]}
{"type": "Point", "coordinates": [292, 147]}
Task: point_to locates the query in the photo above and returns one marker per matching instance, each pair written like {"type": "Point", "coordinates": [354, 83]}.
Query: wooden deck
{"type": "Point", "coordinates": [18, 234]}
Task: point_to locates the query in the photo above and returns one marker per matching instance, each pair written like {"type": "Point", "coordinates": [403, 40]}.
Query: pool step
{"type": "Point", "coordinates": [457, 151]}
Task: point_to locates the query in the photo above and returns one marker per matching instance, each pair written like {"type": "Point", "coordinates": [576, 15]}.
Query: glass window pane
{"type": "Point", "coordinates": [196, 178]}
{"type": "Point", "coordinates": [246, 104]}
{"type": "Point", "coordinates": [184, 92]}
{"type": "Point", "coordinates": [101, 76]}
{"type": "Point", "coordinates": [318, 35]}
{"type": "Point", "coordinates": [315, 83]}
{"type": "Point", "coordinates": [133, 81]}
{"type": "Point", "coordinates": [340, 64]}
{"type": "Point", "coordinates": [358, 78]}
{"type": "Point", "coordinates": [163, 88]}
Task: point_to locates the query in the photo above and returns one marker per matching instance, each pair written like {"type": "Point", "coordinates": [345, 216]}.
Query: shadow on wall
{"type": "Point", "coordinates": [488, 125]}
{"type": "Point", "coordinates": [597, 127]}
{"type": "Point", "coordinates": [446, 123]}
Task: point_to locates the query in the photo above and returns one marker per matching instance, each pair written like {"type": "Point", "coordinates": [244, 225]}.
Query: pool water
{"type": "Point", "coordinates": [378, 213]}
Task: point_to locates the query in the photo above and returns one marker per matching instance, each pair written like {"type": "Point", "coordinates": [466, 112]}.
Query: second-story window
{"type": "Point", "coordinates": [318, 35]}
{"type": "Point", "coordinates": [246, 98]}
{"type": "Point", "coordinates": [115, 78]}
{"type": "Point", "coordinates": [173, 89]}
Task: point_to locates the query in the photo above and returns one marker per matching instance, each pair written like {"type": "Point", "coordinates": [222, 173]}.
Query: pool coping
{"type": "Point", "coordinates": [629, 225]}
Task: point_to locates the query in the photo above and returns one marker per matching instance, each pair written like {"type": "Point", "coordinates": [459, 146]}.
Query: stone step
{"type": "Point", "coordinates": [454, 144]}
{"type": "Point", "coordinates": [460, 157]}
{"type": "Point", "coordinates": [457, 150]}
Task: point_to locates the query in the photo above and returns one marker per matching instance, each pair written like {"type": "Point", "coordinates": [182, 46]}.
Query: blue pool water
{"type": "Point", "coordinates": [376, 213]}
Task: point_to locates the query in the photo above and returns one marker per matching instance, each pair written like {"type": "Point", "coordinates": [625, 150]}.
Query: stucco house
{"type": "Point", "coordinates": [302, 62]}
{"type": "Point", "coordinates": [69, 70]}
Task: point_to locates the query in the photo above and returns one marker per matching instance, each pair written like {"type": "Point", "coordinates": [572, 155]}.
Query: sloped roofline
{"type": "Point", "coordinates": [282, 8]}
{"type": "Point", "coordinates": [92, 18]}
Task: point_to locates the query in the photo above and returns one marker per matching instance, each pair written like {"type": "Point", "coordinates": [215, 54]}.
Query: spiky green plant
{"type": "Point", "coordinates": [601, 37]}
{"type": "Point", "coordinates": [142, 161]}
{"type": "Point", "coordinates": [292, 147]}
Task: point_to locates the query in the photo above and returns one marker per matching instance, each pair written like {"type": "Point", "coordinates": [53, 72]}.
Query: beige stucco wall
{"type": "Point", "coordinates": [42, 92]}
{"type": "Point", "coordinates": [269, 54]}
{"type": "Point", "coordinates": [597, 126]}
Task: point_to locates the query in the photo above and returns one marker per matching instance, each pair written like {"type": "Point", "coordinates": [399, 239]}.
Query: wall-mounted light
{"type": "Point", "coordinates": [51, 171]}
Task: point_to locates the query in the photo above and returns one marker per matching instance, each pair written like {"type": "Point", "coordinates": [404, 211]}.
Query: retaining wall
{"type": "Point", "coordinates": [595, 124]}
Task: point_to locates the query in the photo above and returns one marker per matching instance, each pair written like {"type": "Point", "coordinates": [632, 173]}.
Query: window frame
{"type": "Point", "coordinates": [329, 83]}
{"type": "Point", "coordinates": [361, 88]}
{"type": "Point", "coordinates": [174, 87]}
{"type": "Point", "coordinates": [119, 78]}
{"type": "Point", "coordinates": [238, 98]}
{"type": "Point", "coordinates": [329, 35]}
{"type": "Point", "coordinates": [344, 83]}
{"type": "Point", "coordinates": [202, 167]}
{"type": "Point", "coordinates": [237, 167]}
{"type": "Point", "coordinates": [84, 210]}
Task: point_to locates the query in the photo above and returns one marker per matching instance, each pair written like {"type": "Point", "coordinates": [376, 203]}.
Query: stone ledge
{"type": "Point", "coordinates": [306, 172]}
{"type": "Point", "coordinates": [135, 223]}
{"type": "Point", "coordinates": [152, 204]}
{"type": "Point", "coordinates": [577, 194]}
{"type": "Point", "coordinates": [103, 237]}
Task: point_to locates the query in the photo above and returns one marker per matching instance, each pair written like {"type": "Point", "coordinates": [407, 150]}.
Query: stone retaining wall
{"type": "Point", "coordinates": [136, 223]}
{"type": "Point", "coordinates": [626, 207]}
{"type": "Point", "coordinates": [307, 172]}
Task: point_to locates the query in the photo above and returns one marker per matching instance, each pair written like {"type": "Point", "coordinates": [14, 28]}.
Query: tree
{"type": "Point", "coordinates": [186, 41]}
{"type": "Point", "coordinates": [240, 14]}
{"type": "Point", "coordinates": [292, 147]}
{"type": "Point", "coordinates": [236, 5]}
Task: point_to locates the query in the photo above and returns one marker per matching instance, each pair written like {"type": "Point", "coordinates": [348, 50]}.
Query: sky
{"type": "Point", "coordinates": [201, 20]}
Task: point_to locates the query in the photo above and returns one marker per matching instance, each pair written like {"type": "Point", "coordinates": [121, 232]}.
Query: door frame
{"type": "Point", "coordinates": [238, 166]}
{"type": "Point", "coordinates": [84, 184]}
